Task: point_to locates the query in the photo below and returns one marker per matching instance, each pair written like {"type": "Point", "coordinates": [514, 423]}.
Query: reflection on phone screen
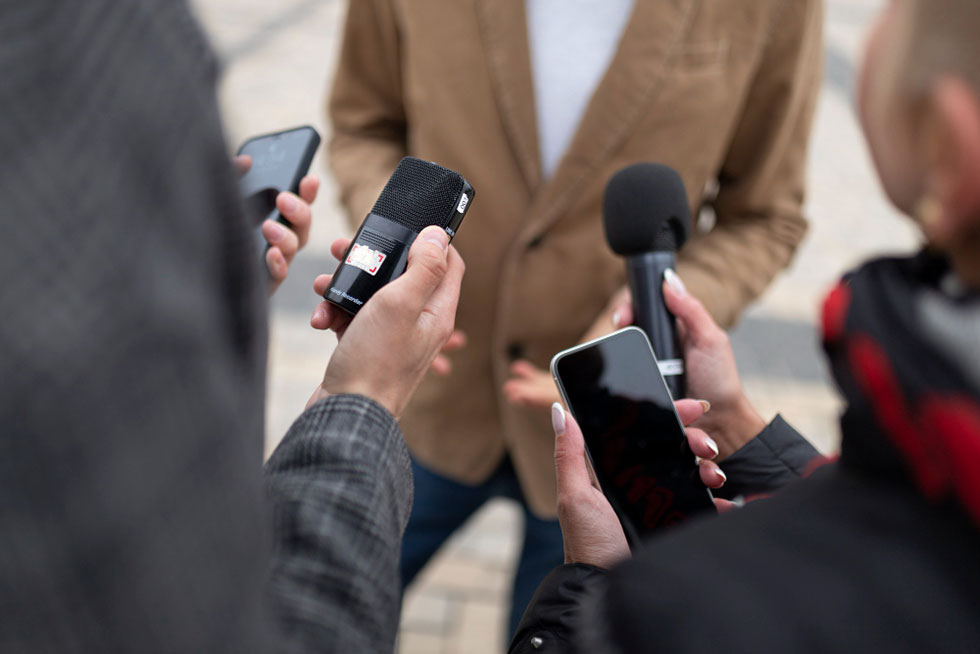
{"type": "Point", "coordinates": [638, 448]}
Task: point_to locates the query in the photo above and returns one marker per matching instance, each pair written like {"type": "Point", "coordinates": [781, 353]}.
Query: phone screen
{"type": "Point", "coordinates": [279, 162]}
{"type": "Point", "coordinates": [634, 438]}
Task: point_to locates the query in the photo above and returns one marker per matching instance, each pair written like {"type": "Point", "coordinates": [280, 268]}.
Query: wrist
{"type": "Point", "coordinates": [733, 428]}
{"type": "Point", "coordinates": [319, 394]}
{"type": "Point", "coordinates": [329, 387]}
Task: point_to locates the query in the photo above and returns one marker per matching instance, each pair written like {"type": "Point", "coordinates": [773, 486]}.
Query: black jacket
{"type": "Point", "coordinates": [846, 560]}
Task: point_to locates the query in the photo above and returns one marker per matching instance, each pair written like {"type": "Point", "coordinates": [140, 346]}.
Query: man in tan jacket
{"type": "Point", "coordinates": [538, 103]}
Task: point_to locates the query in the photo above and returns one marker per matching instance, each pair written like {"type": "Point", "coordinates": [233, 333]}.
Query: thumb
{"type": "Point", "coordinates": [686, 308]}
{"type": "Point", "coordinates": [570, 466]}
{"type": "Point", "coordinates": [428, 263]}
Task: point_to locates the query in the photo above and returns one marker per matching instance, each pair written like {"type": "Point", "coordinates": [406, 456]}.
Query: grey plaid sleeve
{"type": "Point", "coordinates": [341, 487]}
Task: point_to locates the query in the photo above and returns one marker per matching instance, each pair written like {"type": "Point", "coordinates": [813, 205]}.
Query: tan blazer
{"type": "Point", "coordinates": [722, 90]}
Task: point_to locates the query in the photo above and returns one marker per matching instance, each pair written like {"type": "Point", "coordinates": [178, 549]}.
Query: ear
{"type": "Point", "coordinates": [954, 160]}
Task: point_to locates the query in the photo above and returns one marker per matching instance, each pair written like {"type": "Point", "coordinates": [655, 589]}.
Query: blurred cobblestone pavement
{"type": "Point", "coordinates": [278, 57]}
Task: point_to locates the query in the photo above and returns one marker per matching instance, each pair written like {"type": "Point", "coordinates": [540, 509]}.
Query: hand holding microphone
{"type": "Point", "coordinates": [646, 217]}
{"type": "Point", "coordinates": [710, 371]}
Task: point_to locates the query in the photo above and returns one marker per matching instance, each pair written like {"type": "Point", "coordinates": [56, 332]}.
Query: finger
{"type": "Point", "coordinates": [242, 164]}
{"type": "Point", "coordinates": [571, 470]}
{"type": "Point", "coordinates": [277, 265]}
{"type": "Point", "coordinates": [297, 213]}
{"type": "Point", "coordinates": [690, 410]}
{"type": "Point", "coordinates": [329, 316]}
{"type": "Point", "coordinates": [321, 284]}
{"type": "Point", "coordinates": [521, 393]}
{"type": "Point", "coordinates": [339, 248]}
{"type": "Point", "coordinates": [724, 506]}
{"type": "Point", "coordinates": [514, 392]}
{"type": "Point", "coordinates": [308, 188]}
{"type": "Point", "coordinates": [701, 444]}
{"type": "Point", "coordinates": [456, 341]}
{"type": "Point", "coordinates": [691, 313]}
{"type": "Point", "coordinates": [524, 369]}
{"type": "Point", "coordinates": [445, 298]}
{"type": "Point", "coordinates": [441, 365]}
{"type": "Point", "coordinates": [280, 236]}
{"type": "Point", "coordinates": [623, 314]}
{"type": "Point", "coordinates": [428, 263]}
{"type": "Point", "coordinates": [711, 474]}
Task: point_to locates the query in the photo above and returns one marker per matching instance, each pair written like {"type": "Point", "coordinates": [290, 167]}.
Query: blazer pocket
{"type": "Point", "coordinates": [703, 58]}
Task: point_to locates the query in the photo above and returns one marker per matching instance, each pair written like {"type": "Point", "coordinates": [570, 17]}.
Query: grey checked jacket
{"type": "Point", "coordinates": [134, 513]}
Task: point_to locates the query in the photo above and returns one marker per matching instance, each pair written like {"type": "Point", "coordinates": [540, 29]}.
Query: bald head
{"type": "Point", "coordinates": [943, 39]}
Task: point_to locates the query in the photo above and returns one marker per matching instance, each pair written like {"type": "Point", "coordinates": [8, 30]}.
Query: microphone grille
{"type": "Point", "coordinates": [420, 193]}
{"type": "Point", "coordinates": [645, 209]}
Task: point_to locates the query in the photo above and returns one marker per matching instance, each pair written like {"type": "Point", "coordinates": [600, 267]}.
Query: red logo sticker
{"type": "Point", "coordinates": [363, 257]}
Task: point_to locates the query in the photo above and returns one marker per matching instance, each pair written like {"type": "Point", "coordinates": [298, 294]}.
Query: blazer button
{"type": "Point", "coordinates": [515, 351]}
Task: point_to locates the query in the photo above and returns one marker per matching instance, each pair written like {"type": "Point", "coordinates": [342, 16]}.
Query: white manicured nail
{"type": "Point", "coordinates": [712, 445]}
{"type": "Point", "coordinates": [558, 419]}
{"type": "Point", "coordinates": [674, 281]}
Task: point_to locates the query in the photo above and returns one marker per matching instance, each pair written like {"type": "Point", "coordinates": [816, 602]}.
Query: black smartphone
{"type": "Point", "coordinates": [634, 439]}
{"type": "Point", "coordinates": [279, 162]}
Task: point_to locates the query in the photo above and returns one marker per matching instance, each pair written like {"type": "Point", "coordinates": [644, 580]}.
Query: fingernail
{"type": "Point", "coordinates": [712, 445]}
{"type": "Point", "coordinates": [558, 419]}
{"type": "Point", "coordinates": [706, 404]}
{"type": "Point", "coordinates": [437, 236]}
{"type": "Point", "coordinates": [320, 313]}
{"type": "Point", "coordinates": [616, 319]}
{"type": "Point", "coordinates": [721, 474]}
{"type": "Point", "coordinates": [674, 281]}
{"type": "Point", "coordinates": [289, 203]}
{"type": "Point", "coordinates": [276, 232]}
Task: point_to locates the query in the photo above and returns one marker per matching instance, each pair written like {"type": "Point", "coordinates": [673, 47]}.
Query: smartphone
{"type": "Point", "coordinates": [279, 161]}
{"type": "Point", "coordinates": [634, 439]}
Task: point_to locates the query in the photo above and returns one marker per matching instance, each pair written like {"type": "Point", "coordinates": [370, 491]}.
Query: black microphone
{"type": "Point", "coordinates": [418, 194]}
{"type": "Point", "coordinates": [646, 217]}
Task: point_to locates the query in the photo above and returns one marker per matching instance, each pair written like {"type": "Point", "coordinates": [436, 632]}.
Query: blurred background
{"type": "Point", "coordinates": [278, 60]}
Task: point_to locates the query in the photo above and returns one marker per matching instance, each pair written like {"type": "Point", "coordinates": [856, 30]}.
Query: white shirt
{"type": "Point", "coordinates": [572, 43]}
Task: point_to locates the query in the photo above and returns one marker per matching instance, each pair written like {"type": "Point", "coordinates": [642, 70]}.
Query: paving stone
{"type": "Point", "coordinates": [420, 643]}
{"type": "Point", "coordinates": [430, 611]}
{"type": "Point", "coordinates": [481, 628]}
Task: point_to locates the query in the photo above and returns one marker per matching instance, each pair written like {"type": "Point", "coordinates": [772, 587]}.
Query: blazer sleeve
{"type": "Point", "coordinates": [341, 489]}
{"type": "Point", "coordinates": [365, 109]}
{"type": "Point", "coordinates": [759, 205]}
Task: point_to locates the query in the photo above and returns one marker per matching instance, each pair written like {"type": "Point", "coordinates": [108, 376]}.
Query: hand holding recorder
{"type": "Point", "coordinates": [384, 351]}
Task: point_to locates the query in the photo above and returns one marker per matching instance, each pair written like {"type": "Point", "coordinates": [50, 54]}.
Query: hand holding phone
{"type": "Point", "coordinates": [279, 162]}
{"type": "Point", "coordinates": [634, 439]}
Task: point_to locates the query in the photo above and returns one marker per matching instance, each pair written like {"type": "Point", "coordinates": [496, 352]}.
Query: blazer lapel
{"type": "Point", "coordinates": [503, 24]}
{"type": "Point", "coordinates": [628, 87]}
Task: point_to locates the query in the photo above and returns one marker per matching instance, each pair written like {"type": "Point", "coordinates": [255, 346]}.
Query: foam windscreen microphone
{"type": "Point", "coordinates": [646, 217]}
{"type": "Point", "coordinates": [418, 194]}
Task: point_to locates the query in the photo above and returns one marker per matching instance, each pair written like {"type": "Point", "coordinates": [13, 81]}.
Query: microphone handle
{"type": "Point", "coordinates": [645, 273]}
